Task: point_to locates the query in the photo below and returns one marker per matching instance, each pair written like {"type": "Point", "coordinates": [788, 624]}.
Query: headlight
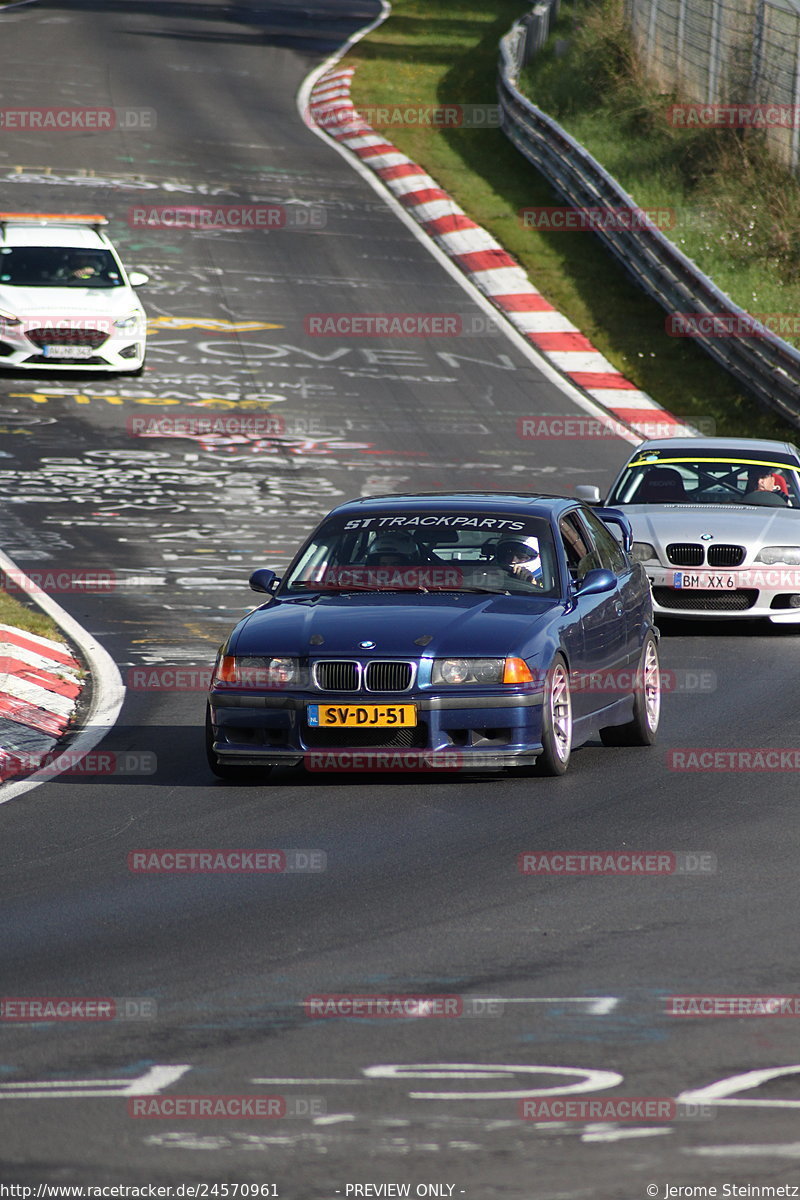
{"type": "Point", "coordinates": [779, 554]}
{"type": "Point", "coordinates": [643, 552]}
{"type": "Point", "coordinates": [129, 322]}
{"type": "Point", "coordinates": [9, 321]}
{"type": "Point", "coordinates": [258, 673]}
{"type": "Point", "coordinates": [454, 671]}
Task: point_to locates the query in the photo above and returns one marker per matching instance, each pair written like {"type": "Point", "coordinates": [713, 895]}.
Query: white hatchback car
{"type": "Point", "coordinates": [66, 301]}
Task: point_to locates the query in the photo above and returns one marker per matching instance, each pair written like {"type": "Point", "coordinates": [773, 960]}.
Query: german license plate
{"type": "Point", "coordinates": [67, 351]}
{"type": "Point", "coordinates": [704, 579]}
{"type": "Point", "coordinates": [362, 716]}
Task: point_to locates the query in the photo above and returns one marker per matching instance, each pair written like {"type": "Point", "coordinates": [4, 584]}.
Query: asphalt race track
{"type": "Point", "coordinates": [562, 978]}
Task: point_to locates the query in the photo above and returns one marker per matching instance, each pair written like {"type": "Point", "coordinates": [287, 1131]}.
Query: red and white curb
{"type": "Point", "coordinates": [484, 261]}
{"type": "Point", "coordinates": [40, 682]}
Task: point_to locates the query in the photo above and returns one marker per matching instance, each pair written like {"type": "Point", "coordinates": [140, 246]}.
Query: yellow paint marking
{"type": "Point", "coordinates": [210, 324]}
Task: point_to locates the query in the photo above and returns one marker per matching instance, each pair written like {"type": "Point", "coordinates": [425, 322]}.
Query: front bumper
{"type": "Point", "coordinates": [453, 733]}
{"type": "Point", "coordinates": [752, 592]}
{"type": "Point", "coordinates": [122, 350]}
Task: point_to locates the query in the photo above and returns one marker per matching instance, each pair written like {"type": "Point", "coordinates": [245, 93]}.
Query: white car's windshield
{"type": "Point", "coordinates": [428, 552]}
{"type": "Point", "coordinates": [664, 478]}
{"type": "Point", "coordinates": [56, 266]}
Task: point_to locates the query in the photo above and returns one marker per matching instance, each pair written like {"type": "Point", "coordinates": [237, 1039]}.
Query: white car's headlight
{"type": "Point", "coordinates": [9, 321]}
{"type": "Point", "coordinates": [130, 322]}
{"type": "Point", "coordinates": [643, 552]}
{"type": "Point", "coordinates": [779, 554]}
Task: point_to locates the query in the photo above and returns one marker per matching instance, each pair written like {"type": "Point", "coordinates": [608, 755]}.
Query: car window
{"type": "Point", "coordinates": [429, 551]}
{"type": "Point", "coordinates": [56, 266]}
{"type": "Point", "coordinates": [664, 477]}
{"type": "Point", "coordinates": [581, 553]}
{"type": "Point", "coordinates": [608, 548]}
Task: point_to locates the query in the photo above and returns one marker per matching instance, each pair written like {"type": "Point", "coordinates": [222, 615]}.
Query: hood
{"type": "Point", "coordinates": [457, 625]}
{"type": "Point", "coordinates": [59, 303]}
{"type": "Point", "coordinates": [752, 527]}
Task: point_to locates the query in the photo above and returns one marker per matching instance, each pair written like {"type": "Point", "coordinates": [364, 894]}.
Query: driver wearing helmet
{"type": "Point", "coordinates": [520, 557]}
{"type": "Point", "coordinates": [397, 549]}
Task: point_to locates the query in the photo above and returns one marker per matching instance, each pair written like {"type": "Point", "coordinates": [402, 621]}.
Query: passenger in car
{"type": "Point", "coordinates": [763, 487]}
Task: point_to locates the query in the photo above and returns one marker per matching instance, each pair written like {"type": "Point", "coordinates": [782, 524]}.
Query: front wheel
{"type": "Point", "coordinates": [643, 728]}
{"type": "Point", "coordinates": [556, 721]}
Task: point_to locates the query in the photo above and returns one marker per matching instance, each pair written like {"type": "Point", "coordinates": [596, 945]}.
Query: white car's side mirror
{"type": "Point", "coordinates": [138, 278]}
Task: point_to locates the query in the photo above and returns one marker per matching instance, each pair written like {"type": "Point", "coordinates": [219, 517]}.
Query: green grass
{"type": "Point", "coordinates": [437, 52]}
{"type": "Point", "coordinates": [13, 612]}
{"type": "Point", "coordinates": [737, 209]}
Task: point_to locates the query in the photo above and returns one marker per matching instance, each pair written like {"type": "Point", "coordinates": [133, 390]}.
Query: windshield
{"type": "Point", "coordinates": [428, 552]}
{"type": "Point", "coordinates": [664, 478]}
{"type": "Point", "coordinates": [57, 266]}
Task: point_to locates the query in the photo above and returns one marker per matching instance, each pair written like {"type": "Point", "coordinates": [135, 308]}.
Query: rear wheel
{"type": "Point", "coordinates": [643, 728]}
{"type": "Point", "coordinates": [556, 721]}
{"type": "Point", "coordinates": [225, 770]}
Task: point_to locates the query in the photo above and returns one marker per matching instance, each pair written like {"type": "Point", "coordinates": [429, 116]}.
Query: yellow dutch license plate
{"type": "Point", "coordinates": [362, 716]}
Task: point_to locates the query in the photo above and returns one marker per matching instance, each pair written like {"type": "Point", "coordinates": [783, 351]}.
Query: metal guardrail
{"type": "Point", "coordinates": [765, 365]}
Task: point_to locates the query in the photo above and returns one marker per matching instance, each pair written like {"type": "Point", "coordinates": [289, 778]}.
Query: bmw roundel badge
{"type": "Point", "coordinates": [367, 645]}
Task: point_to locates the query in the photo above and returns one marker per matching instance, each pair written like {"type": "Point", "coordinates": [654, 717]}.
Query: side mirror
{"type": "Point", "coordinates": [264, 580]}
{"type": "Point", "coordinates": [138, 278]}
{"type": "Point", "coordinates": [596, 581]}
{"type": "Point", "coordinates": [588, 492]}
{"type": "Point", "coordinates": [614, 516]}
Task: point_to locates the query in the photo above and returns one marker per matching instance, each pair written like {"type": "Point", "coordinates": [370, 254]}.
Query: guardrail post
{"type": "Point", "coordinates": [795, 151]}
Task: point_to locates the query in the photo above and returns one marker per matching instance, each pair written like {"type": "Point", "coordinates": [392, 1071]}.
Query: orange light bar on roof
{"type": "Point", "coordinates": [77, 218]}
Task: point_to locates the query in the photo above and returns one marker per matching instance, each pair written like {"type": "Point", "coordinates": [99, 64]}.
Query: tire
{"type": "Point", "coordinates": [225, 770]}
{"type": "Point", "coordinates": [556, 722]}
{"type": "Point", "coordinates": [642, 730]}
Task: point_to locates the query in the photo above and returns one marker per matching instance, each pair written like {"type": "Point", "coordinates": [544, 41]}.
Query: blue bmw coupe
{"type": "Point", "coordinates": [468, 631]}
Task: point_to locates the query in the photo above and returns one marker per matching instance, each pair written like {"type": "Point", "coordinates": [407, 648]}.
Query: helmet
{"type": "Point", "coordinates": [521, 554]}
{"type": "Point", "coordinates": [398, 544]}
